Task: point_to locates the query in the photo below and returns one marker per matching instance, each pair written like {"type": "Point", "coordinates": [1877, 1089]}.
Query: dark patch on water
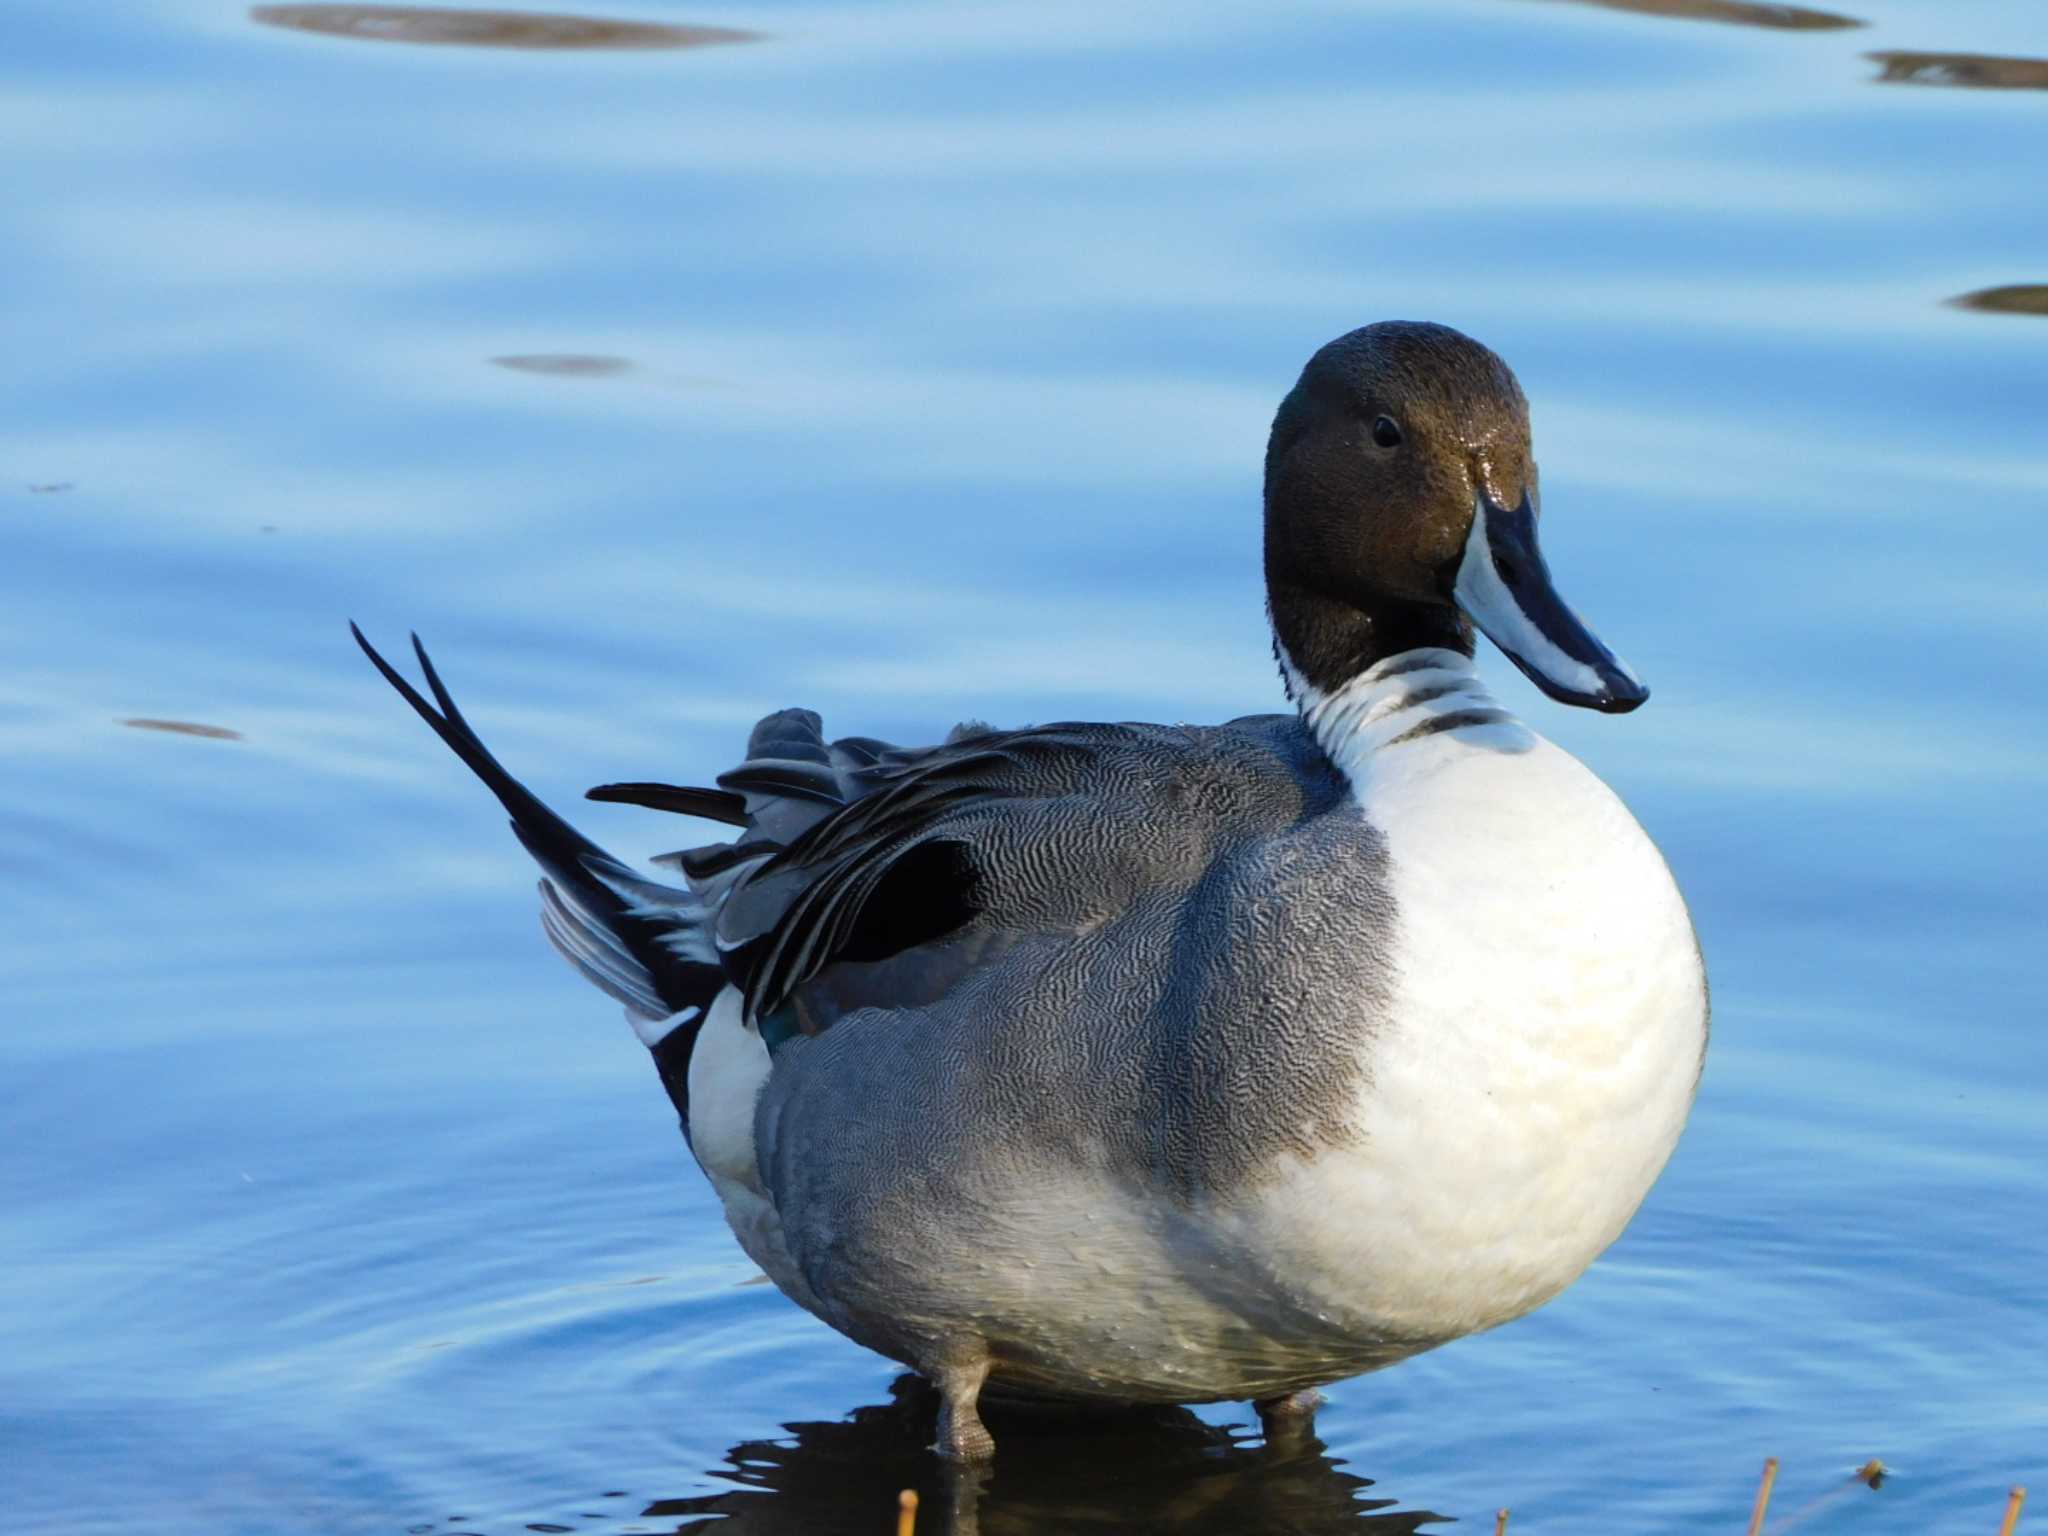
{"type": "Point", "coordinates": [2012, 299]}
{"type": "Point", "coordinates": [1784, 18]}
{"type": "Point", "coordinates": [1975, 71]}
{"type": "Point", "coordinates": [185, 728]}
{"type": "Point", "coordinates": [489, 29]}
{"type": "Point", "coordinates": [565, 365]}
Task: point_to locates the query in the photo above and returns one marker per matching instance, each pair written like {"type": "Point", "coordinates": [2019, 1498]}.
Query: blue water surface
{"type": "Point", "coordinates": [912, 360]}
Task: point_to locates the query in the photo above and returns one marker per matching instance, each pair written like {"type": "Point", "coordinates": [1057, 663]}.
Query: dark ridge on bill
{"type": "Point", "coordinates": [488, 29]}
{"type": "Point", "coordinates": [1975, 71]}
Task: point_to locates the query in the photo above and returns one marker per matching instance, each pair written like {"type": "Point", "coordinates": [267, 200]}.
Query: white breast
{"type": "Point", "coordinates": [1548, 1018]}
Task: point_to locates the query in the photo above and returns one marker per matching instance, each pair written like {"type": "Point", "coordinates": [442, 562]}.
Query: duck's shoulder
{"type": "Point", "coordinates": [1273, 753]}
{"type": "Point", "coordinates": [1249, 775]}
{"type": "Point", "coordinates": [970, 846]}
{"type": "Point", "coordinates": [1118, 814]}
{"type": "Point", "coordinates": [1168, 813]}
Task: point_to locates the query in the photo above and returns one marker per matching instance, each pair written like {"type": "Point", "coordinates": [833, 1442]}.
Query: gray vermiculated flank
{"type": "Point", "coordinates": [1181, 937]}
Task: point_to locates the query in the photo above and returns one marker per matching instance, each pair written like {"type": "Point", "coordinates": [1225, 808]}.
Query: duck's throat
{"type": "Point", "coordinates": [1386, 708]}
{"type": "Point", "coordinates": [1323, 644]}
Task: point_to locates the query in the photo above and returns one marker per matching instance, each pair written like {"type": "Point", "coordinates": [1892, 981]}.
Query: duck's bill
{"type": "Point", "coordinates": [1505, 588]}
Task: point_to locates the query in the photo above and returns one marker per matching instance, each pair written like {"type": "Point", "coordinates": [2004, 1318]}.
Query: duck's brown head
{"type": "Point", "coordinates": [1401, 509]}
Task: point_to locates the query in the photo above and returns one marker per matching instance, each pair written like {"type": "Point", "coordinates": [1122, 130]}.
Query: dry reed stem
{"type": "Point", "coordinates": [2012, 1511]}
{"type": "Point", "coordinates": [906, 1512]}
{"type": "Point", "coordinates": [1763, 1496]}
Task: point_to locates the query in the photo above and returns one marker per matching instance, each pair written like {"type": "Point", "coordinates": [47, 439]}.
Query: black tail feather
{"type": "Point", "coordinates": [569, 858]}
{"type": "Point", "coordinates": [558, 847]}
{"type": "Point", "coordinates": [682, 799]}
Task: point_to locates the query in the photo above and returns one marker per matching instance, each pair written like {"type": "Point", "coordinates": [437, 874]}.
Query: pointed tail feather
{"type": "Point", "coordinates": [637, 940]}
{"type": "Point", "coordinates": [682, 799]}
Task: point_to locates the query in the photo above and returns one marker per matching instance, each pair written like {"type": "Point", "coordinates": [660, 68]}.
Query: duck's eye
{"type": "Point", "coordinates": [1386, 432]}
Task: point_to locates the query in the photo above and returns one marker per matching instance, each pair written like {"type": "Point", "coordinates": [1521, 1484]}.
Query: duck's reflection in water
{"type": "Point", "coordinates": [1138, 1470]}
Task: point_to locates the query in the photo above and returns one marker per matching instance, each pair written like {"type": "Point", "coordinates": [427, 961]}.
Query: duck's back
{"type": "Point", "coordinates": [1178, 936]}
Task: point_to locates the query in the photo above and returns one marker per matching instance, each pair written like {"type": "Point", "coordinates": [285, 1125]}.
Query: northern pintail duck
{"type": "Point", "coordinates": [1157, 1063]}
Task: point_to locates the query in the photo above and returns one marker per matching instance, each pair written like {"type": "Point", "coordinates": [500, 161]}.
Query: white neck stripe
{"type": "Point", "coordinates": [1401, 701]}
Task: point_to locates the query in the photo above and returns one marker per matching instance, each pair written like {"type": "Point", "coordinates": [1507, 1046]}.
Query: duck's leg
{"type": "Point", "coordinates": [959, 1511]}
{"type": "Point", "coordinates": [1290, 1417]}
{"type": "Point", "coordinates": [962, 1435]}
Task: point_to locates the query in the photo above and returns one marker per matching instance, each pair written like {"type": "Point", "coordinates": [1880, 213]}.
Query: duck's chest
{"type": "Point", "coordinates": [1540, 1041]}
{"type": "Point", "coordinates": [1535, 925]}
